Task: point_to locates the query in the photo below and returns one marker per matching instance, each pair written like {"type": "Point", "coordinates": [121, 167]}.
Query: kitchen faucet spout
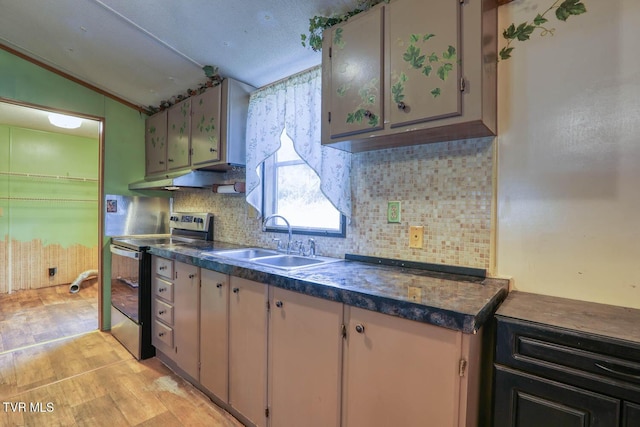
{"type": "Point", "coordinates": [264, 228]}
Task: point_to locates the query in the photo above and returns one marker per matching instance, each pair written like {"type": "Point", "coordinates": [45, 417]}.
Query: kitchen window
{"type": "Point", "coordinates": [289, 171]}
{"type": "Point", "coordinates": [292, 189]}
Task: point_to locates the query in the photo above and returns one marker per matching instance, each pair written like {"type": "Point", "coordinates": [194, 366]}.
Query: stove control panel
{"type": "Point", "coordinates": [191, 221]}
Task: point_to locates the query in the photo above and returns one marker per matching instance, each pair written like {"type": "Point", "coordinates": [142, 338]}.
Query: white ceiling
{"type": "Point", "coordinates": [33, 118]}
{"type": "Point", "coordinates": [145, 51]}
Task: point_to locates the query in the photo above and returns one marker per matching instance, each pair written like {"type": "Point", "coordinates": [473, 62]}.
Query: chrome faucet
{"type": "Point", "coordinates": [264, 228]}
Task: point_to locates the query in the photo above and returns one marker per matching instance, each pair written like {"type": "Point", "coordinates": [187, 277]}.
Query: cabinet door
{"type": "Point", "coordinates": [178, 138]}
{"type": "Point", "coordinates": [155, 143]}
{"type": "Point", "coordinates": [305, 344]}
{"type": "Point", "coordinates": [423, 60]}
{"type": "Point", "coordinates": [248, 349]}
{"type": "Point", "coordinates": [214, 337]}
{"type": "Point", "coordinates": [399, 372]}
{"type": "Point", "coordinates": [524, 400]}
{"type": "Point", "coordinates": [631, 415]}
{"type": "Point", "coordinates": [355, 100]}
{"type": "Point", "coordinates": [205, 126]}
{"type": "Point", "coordinates": [185, 313]}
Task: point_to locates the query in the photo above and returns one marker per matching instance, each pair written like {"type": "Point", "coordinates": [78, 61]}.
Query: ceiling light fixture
{"type": "Point", "coordinates": [64, 121]}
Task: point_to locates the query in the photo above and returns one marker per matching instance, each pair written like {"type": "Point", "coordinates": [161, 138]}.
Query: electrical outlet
{"type": "Point", "coordinates": [416, 233]}
{"type": "Point", "coordinates": [52, 271]}
{"type": "Point", "coordinates": [414, 293]}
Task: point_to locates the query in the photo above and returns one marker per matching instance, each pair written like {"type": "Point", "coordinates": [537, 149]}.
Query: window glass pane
{"type": "Point", "coordinates": [300, 200]}
{"type": "Point", "coordinates": [292, 189]}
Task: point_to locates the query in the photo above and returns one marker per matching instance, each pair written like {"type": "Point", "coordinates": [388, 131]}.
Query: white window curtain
{"type": "Point", "coordinates": [294, 104]}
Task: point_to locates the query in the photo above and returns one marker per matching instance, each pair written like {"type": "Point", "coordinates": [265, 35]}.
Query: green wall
{"type": "Point", "coordinates": [50, 220]}
{"type": "Point", "coordinates": [23, 81]}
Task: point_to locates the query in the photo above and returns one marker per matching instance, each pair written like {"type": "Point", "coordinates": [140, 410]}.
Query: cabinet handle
{"type": "Point", "coordinates": [162, 289]}
{"type": "Point", "coordinates": [161, 312]}
{"type": "Point", "coordinates": [279, 304]}
{"type": "Point", "coordinates": [191, 276]}
{"type": "Point", "coordinates": [170, 160]}
{"type": "Point", "coordinates": [161, 162]}
{"type": "Point", "coordinates": [161, 334]}
{"type": "Point", "coordinates": [617, 372]}
{"type": "Point", "coordinates": [212, 150]}
{"type": "Point", "coordinates": [236, 290]}
{"type": "Point", "coordinates": [219, 285]}
{"type": "Point", "coordinates": [368, 114]}
{"type": "Point", "coordinates": [402, 106]}
{"type": "Point", "coordinates": [162, 267]}
{"type": "Point", "coordinates": [359, 328]}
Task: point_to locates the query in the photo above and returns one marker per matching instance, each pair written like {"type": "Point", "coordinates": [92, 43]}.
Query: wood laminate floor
{"type": "Point", "coordinates": [57, 369]}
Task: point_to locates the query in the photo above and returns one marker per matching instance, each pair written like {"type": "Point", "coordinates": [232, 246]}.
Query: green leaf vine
{"type": "Point", "coordinates": [425, 62]}
{"type": "Point", "coordinates": [319, 23]}
{"type": "Point", "coordinates": [524, 31]}
{"type": "Point", "coordinates": [368, 95]}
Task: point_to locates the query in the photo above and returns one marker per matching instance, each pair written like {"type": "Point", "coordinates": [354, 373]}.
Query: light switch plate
{"type": "Point", "coordinates": [393, 212]}
{"type": "Point", "coordinates": [416, 234]}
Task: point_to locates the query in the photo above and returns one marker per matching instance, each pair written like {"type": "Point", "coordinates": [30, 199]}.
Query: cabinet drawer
{"type": "Point", "coordinates": [164, 312]}
{"type": "Point", "coordinates": [596, 363]}
{"type": "Point", "coordinates": [162, 335]}
{"type": "Point", "coordinates": [163, 289]}
{"type": "Point", "coordinates": [164, 267]}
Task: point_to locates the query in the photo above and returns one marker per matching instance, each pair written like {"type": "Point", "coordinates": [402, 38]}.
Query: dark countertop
{"type": "Point", "coordinates": [589, 317]}
{"type": "Point", "coordinates": [458, 302]}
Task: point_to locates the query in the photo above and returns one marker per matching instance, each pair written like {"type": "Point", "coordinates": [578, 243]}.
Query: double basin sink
{"type": "Point", "coordinates": [270, 258]}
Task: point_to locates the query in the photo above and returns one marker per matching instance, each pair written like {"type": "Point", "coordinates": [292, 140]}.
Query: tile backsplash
{"type": "Point", "coordinates": [445, 187]}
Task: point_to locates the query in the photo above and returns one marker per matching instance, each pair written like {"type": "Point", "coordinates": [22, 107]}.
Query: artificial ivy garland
{"type": "Point", "coordinates": [523, 31]}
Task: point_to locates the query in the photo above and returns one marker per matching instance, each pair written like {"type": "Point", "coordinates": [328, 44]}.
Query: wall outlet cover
{"type": "Point", "coordinates": [416, 235]}
{"type": "Point", "coordinates": [393, 212]}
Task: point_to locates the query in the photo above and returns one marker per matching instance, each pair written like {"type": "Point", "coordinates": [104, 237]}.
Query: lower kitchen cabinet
{"type": "Point", "coordinates": [399, 372]}
{"type": "Point", "coordinates": [631, 415]}
{"type": "Point", "coordinates": [279, 358]}
{"type": "Point", "coordinates": [175, 313]}
{"type": "Point", "coordinates": [214, 333]}
{"type": "Point", "coordinates": [567, 372]}
{"type": "Point", "coordinates": [248, 349]}
{"type": "Point", "coordinates": [305, 354]}
{"type": "Point", "coordinates": [186, 336]}
{"type": "Point", "coordinates": [529, 401]}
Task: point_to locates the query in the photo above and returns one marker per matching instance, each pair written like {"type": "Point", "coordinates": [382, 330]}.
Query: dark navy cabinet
{"type": "Point", "coordinates": [546, 375]}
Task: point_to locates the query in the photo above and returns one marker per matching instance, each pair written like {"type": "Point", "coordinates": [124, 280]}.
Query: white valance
{"type": "Point", "coordinates": [294, 104]}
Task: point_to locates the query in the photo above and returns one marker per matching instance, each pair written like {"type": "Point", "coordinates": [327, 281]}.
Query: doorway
{"type": "Point", "coordinates": [50, 213]}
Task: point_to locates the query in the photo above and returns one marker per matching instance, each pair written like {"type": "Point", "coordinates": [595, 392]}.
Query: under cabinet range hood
{"type": "Point", "coordinates": [178, 180]}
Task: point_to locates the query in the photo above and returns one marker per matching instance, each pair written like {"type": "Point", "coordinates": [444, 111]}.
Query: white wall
{"type": "Point", "coordinates": [569, 154]}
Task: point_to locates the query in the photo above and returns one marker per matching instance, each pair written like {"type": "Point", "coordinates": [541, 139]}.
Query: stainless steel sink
{"type": "Point", "coordinates": [269, 258]}
{"type": "Point", "coordinates": [292, 262]}
{"type": "Point", "coordinates": [243, 254]}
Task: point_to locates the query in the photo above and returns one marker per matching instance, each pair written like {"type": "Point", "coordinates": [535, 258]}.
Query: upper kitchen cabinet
{"type": "Point", "coordinates": [218, 126]}
{"type": "Point", "coordinates": [354, 56]}
{"type": "Point", "coordinates": [430, 77]}
{"type": "Point", "coordinates": [179, 135]}
{"type": "Point", "coordinates": [206, 131]}
{"type": "Point", "coordinates": [155, 140]}
{"type": "Point", "coordinates": [205, 126]}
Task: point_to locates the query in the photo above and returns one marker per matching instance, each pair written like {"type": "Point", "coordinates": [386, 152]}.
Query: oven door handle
{"type": "Point", "coordinates": [125, 252]}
